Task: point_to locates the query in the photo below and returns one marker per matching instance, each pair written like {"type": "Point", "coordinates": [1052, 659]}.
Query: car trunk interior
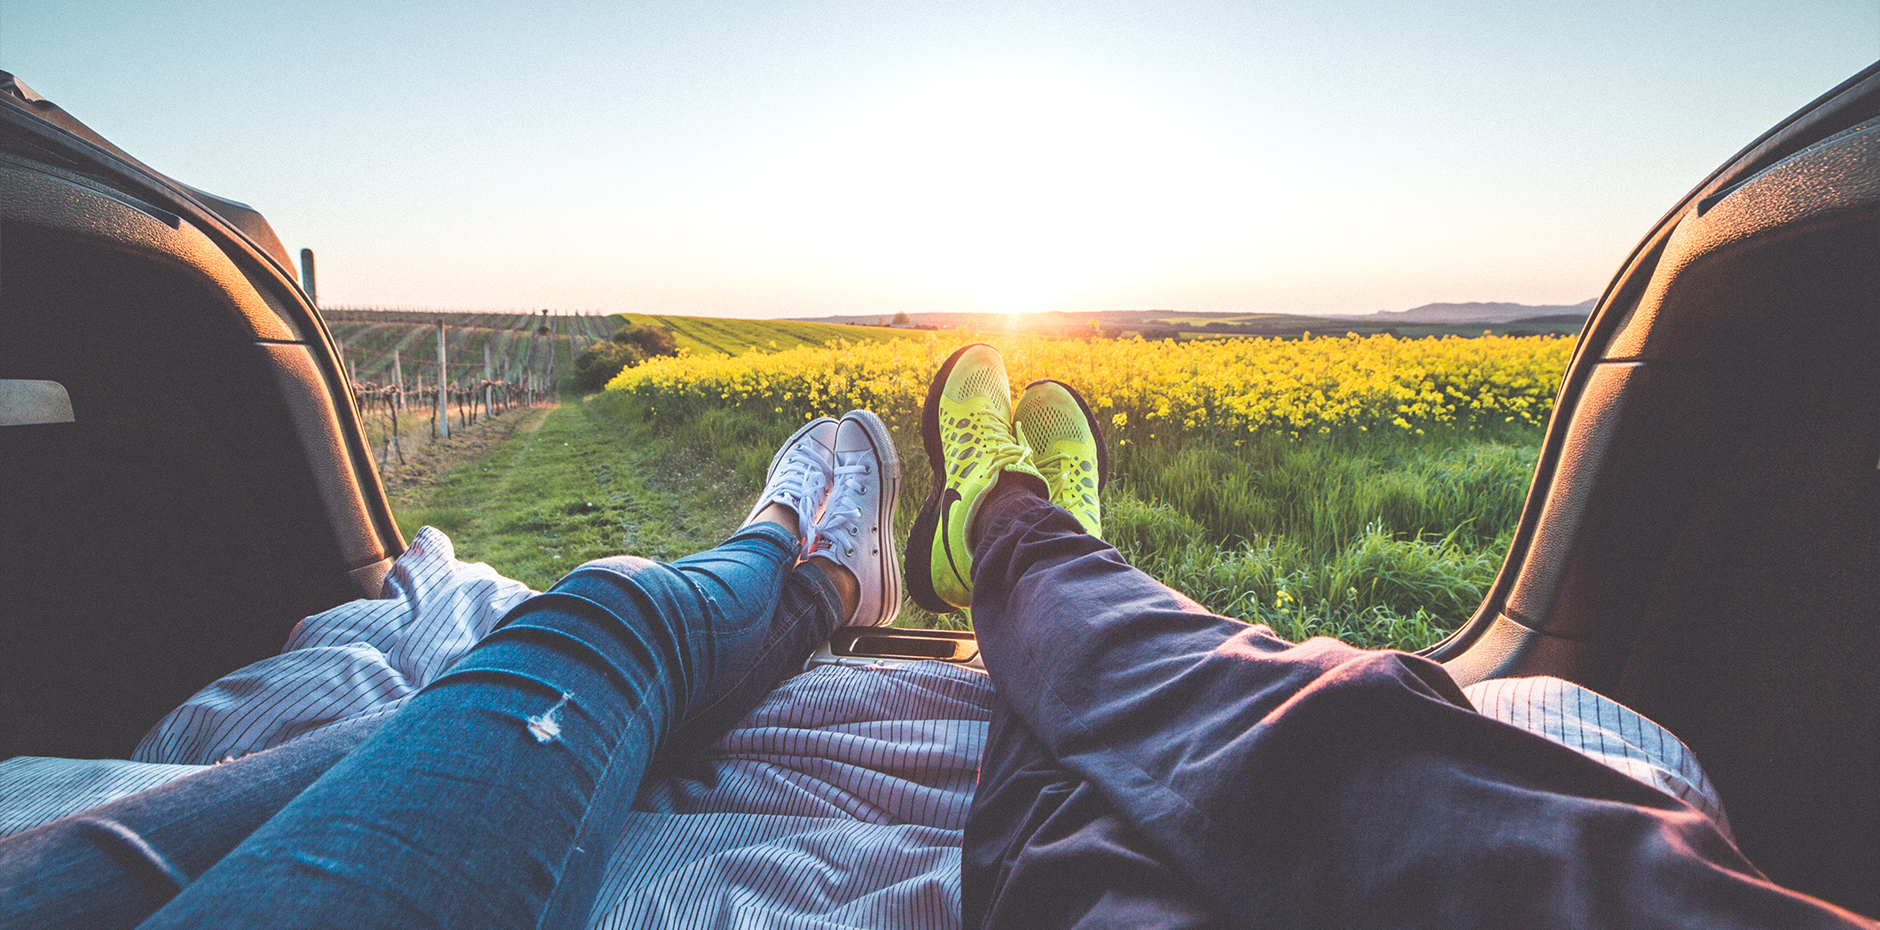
{"type": "Point", "coordinates": [1708, 545]}
{"type": "Point", "coordinates": [1702, 541]}
{"type": "Point", "coordinates": [182, 522]}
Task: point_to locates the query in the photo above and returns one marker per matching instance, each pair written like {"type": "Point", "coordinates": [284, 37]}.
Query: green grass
{"type": "Point", "coordinates": [1384, 541]}
{"type": "Point", "coordinates": [584, 486]}
{"type": "Point", "coordinates": [1375, 590]}
{"type": "Point", "coordinates": [1379, 541]}
{"type": "Point", "coordinates": [715, 336]}
{"type": "Point", "coordinates": [1325, 491]}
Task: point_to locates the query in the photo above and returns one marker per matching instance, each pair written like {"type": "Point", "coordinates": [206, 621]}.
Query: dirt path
{"type": "Point", "coordinates": [427, 464]}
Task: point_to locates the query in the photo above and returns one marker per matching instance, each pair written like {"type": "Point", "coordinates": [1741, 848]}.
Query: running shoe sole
{"type": "Point", "coordinates": [920, 539]}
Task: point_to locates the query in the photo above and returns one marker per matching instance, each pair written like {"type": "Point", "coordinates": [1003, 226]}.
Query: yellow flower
{"type": "Point", "coordinates": [1226, 388]}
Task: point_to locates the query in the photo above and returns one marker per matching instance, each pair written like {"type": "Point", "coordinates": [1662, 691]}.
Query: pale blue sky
{"type": "Point", "coordinates": [764, 159]}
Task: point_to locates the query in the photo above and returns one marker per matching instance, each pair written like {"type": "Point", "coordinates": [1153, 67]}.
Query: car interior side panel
{"type": "Point", "coordinates": [175, 530]}
{"type": "Point", "coordinates": [1708, 549]}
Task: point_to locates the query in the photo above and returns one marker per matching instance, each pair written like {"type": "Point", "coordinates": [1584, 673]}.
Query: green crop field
{"type": "Point", "coordinates": [369, 337]}
{"type": "Point", "coordinates": [715, 336]}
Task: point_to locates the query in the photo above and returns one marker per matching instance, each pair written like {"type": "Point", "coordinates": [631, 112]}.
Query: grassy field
{"type": "Point", "coordinates": [1389, 541]}
{"type": "Point", "coordinates": [707, 336]}
{"type": "Point", "coordinates": [1363, 488]}
{"type": "Point", "coordinates": [1308, 509]}
{"type": "Point", "coordinates": [369, 336]}
{"type": "Point", "coordinates": [1380, 544]}
{"type": "Point", "coordinates": [584, 485]}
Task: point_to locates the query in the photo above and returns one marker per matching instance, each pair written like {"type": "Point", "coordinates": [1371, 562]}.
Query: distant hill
{"type": "Point", "coordinates": [1467, 319]}
{"type": "Point", "coordinates": [1053, 319]}
{"type": "Point", "coordinates": [1476, 312]}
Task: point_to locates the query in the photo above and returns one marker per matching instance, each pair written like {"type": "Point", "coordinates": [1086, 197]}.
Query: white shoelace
{"type": "Point", "coordinates": [844, 511]}
{"type": "Point", "coordinates": [803, 476]}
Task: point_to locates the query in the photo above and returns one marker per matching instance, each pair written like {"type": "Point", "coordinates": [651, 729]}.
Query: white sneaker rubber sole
{"type": "Point", "coordinates": [889, 565]}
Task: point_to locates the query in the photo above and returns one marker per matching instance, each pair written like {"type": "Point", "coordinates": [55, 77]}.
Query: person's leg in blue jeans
{"type": "Point", "coordinates": [494, 798]}
{"type": "Point", "coordinates": [114, 865]}
{"type": "Point", "coordinates": [504, 782]}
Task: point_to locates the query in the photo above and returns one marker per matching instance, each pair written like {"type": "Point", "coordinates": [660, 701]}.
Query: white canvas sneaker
{"type": "Point", "coordinates": [857, 527]}
{"type": "Point", "coordinates": [800, 475]}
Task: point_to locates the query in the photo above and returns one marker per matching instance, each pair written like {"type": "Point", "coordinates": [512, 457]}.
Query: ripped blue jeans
{"type": "Point", "coordinates": [494, 797]}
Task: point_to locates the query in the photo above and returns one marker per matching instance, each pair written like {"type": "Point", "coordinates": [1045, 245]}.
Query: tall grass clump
{"type": "Point", "coordinates": [1328, 490]}
{"type": "Point", "coordinates": [1378, 590]}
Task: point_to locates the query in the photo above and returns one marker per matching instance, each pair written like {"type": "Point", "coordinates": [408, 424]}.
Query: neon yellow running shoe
{"type": "Point", "coordinates": [1067, 447]}
{"type": "Point", "coordinates": [966, 427]}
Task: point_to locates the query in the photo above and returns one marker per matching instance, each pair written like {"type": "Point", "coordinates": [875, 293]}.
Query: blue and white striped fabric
{"type": "Point", "coordinates": [839, 802]}
{"type": "Point", "coordinates": [746, 870]}
{"type": "Point", "coordinates": [1606, 731]}
{"type": "Point", "coordinates": [359, 659]}
{"type": "Point", "coordinates": [36, 790]}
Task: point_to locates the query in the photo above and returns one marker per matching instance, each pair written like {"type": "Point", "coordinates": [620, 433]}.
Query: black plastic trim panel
{"type": "Point", "coordinates": [1850, 104]}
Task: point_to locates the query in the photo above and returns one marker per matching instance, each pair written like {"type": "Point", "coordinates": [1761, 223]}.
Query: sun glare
{"type": "Point", "coordinates": [1016, 189]}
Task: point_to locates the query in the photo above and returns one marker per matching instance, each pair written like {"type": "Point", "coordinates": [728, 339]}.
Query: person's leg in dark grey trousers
{"type": "Point", "coordinates": [1282, 785]}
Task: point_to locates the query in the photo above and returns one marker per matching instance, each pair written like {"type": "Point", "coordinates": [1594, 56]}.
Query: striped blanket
{"type": "Point", "coordinates": [838, 802]}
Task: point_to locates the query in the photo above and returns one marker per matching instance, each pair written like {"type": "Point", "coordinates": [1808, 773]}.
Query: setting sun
{"type": "Point", "coordinates": [1012, 188]}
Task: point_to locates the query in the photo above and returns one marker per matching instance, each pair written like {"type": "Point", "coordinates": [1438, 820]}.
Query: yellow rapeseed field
{"type": "Point", "coordinates": [1227, 389]}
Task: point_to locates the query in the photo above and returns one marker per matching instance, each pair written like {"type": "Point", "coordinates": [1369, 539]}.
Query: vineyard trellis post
{"type": "Point", "coordinates": [550, 377]}
{"type": "Point", "coordinates": [396, 400]}
{"type": "Point", "coordinates": [441, 421]}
